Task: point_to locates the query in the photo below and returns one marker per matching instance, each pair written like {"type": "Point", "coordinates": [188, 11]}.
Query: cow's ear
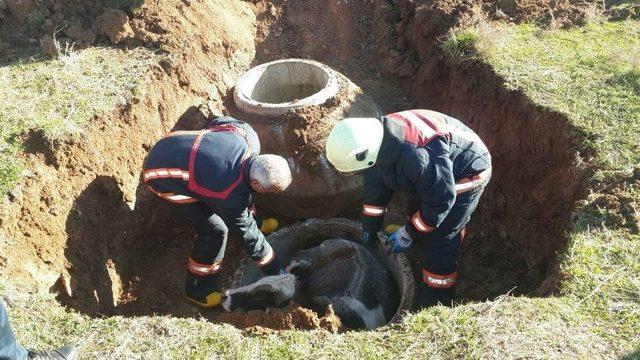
{"type": "Point", "coordinates": [227, 302]}
{"type": "Point", "coordinates": [298, 267]}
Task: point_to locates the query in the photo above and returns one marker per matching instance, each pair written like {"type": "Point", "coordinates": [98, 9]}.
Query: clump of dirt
{"type": "Point", "coordinates": [308, 131]}
{"type": "Point", "coordinates": [553, 13]}
{"type": "Point", "coordinates": [112, 23]}
{"type": "Point", "coordinates": [293, 317]}
{"type": "Point", "coordinates": [616, 206]}
{"type": "Point", "coordinates": [617, 210]}
{"type": "Point", "coordinates": [72, 23]}
{"type": "Point", "coordinates": [630, 11]}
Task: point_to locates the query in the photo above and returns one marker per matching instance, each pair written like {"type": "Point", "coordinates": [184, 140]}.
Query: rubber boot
{"type": "Point", "coordinates": [273, 268]}
{"type": "Point", "coordinates": [63, 353]}
{"type": "Point", "coordinates": [431, 296]}
{"type": "Point", "coordinates": [203, 290]}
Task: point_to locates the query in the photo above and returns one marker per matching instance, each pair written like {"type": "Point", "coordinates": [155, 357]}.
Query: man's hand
{"type": "Point", "coordinates": [399, 241]}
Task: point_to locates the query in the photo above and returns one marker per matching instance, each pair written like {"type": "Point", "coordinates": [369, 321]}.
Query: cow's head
{"type": "Point", "coordinates": [270, 291]}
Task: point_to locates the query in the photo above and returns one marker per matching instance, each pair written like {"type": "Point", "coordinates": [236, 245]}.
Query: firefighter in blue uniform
{"type": "Point", "coordinates": [210, 176]}
{"type": "Point", "coordinates": [438, 159]}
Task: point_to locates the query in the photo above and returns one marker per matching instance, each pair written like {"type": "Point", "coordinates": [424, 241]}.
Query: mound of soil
{"type": "Point", "coordinates": [72, 23]}
{"type": "Point", "coordinates": [553, 13]}
{"type": "Point", "coordinates": [293, 317]}
{"type": "Point", "coordinates": [308, 132]}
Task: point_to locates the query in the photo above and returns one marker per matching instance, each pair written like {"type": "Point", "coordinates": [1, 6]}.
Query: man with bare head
{"type": "Point", "coordinates": [210, 176]}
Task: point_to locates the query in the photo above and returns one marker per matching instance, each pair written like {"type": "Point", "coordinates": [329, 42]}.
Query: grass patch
{"type": "Point", "coordinates": [505, 328]}
{"type": "Point", "coordinates": [440, 333]}
{"type": "Point", "coordinates": [59, 96]}
{"type": "Point", "coordinates": [592, 75]}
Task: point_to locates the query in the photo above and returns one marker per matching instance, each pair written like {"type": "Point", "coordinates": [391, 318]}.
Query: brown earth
{"type": "Point", "coordinates": [290, 318]}
{"type": "Point", "coordinates": [82, 224]}
{"type": "Point", "coordinates": [309, 132]}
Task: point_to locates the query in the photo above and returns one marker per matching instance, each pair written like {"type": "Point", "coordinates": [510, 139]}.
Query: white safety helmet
{"type": "Point", "coordinates": [354, 143]}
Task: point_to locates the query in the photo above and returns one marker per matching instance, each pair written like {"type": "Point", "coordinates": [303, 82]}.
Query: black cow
{"type": "Point", "coordinates": [348, 276]}
{"type": "Point", "coordinates": [337, 272]}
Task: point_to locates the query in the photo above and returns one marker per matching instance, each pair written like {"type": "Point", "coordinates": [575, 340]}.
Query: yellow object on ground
{"type": "Point", "coordinates": [269, 225]}
{"type": "Point", "coordinates": [390, 229]}
{"type": "Point", "coordinates": [212, 300]}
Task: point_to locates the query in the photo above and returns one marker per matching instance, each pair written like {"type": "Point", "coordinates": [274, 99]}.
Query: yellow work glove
{"type": "Point", "coordinates": [269, 225]}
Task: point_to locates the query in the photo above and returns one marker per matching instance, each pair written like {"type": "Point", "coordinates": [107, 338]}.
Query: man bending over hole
{"type": "Point", "coordinates": [438, 159]}
{"type": "Point", "coordinates": [209, 176]}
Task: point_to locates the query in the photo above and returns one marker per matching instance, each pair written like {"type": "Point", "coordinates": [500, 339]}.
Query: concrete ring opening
{"type": "Point", "coordinates": [311, 233]}
{"type": "Point", "coordinates": [276, 87]}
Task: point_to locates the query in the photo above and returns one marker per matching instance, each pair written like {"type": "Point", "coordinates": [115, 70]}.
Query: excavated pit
{"type": "Point", "coordinates": [84, 226]}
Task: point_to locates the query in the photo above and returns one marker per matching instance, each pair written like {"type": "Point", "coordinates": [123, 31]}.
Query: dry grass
{"type": "Point", "coordinates": [506, 328]}
{"type": "Point", "coordinates": [59, 96]}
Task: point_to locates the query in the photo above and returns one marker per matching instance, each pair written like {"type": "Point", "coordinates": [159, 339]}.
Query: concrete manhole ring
{"type": "Point", "coordinates": [276, 87]}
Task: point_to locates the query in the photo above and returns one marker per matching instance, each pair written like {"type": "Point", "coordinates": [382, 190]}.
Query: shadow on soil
{"type": "Point", "coordinates": [124, 258]}
{"type": "Point", "coordinates": [634, 355]}
{"type": "Point", "coordinates": [129, 258]}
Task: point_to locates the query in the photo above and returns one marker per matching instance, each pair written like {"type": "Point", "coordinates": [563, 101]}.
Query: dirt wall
{"type": "Point", "coordinates": [81, 212]}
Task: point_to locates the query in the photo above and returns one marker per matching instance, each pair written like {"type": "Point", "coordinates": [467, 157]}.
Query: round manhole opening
{"type": "Point", "coordinates": [277, 87]}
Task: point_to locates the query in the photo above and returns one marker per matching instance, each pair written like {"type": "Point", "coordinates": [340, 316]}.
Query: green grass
{"type": "Point", "coordinates": [505, 328]}
{"type": "Point", "coordinates": [59, 96]}
{"type": "Point", "coordinates": [591, 74]}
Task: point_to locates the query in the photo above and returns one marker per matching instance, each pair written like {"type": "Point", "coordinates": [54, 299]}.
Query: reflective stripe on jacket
{"type": "Point", "coordinates": [427, 153]}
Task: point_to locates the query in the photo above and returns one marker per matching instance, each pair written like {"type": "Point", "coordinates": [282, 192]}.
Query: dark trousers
{"type": "Point", "coordinates": [212, 232]}
{"type": "Point", "coordinates": [441, 248]}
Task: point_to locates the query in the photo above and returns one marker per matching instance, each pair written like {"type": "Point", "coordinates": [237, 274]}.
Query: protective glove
{"type": "Point", "coordinates": [399, 241]}
{"type": "Point", "coordinates": [269, 225]}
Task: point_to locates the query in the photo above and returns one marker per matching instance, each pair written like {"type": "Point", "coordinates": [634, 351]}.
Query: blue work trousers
{"type": "Point", "coordinates": [9, 349]}
{"type": "Point", "coordinates": [441, 248]}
